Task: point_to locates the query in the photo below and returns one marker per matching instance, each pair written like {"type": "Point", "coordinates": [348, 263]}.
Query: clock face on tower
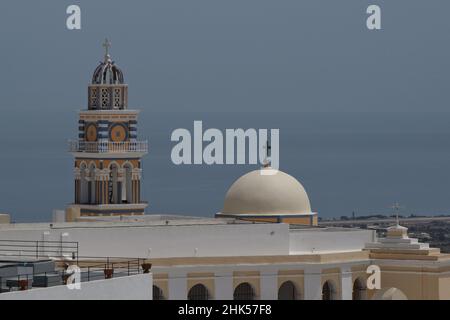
{"type": "Point", "coordinates": [118, 133]}
{"type": "Point", "coordinates": [91, 132]}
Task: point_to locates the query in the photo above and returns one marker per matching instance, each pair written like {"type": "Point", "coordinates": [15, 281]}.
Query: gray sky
{"type": "Point", "coordinates": [247, 55]}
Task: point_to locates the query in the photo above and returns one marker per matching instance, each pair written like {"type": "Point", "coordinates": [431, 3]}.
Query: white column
{"type": "Point", "coordinates": [346, 283]}
{"type": "Point", "coordinates": [177, 286]}
{"type": "Point", "coordinates": [269, 285]}
{"type": "Point", "coordinates": [313, 283]}
{"type": "Point", "coordinates": [223, 286]}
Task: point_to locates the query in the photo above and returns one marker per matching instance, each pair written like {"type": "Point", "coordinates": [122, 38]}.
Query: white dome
{"type": "Point", "coordinates": [266, 192]}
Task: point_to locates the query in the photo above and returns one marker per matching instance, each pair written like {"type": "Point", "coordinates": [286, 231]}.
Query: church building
{"type": "Point", "coordinates": [107, 168]}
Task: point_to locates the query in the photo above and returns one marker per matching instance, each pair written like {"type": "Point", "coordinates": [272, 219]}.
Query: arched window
{"type": "Point", "coordinates": [287, 291]}
{"type": "Point", "coordinates": [359, 290]}
{"type": "Point", "coordinates": [127, 184]}
{"type": "Point", "coordinates": [328, 292]}
{"type": "Point", "coordinates": [198, 292]}
{"type": "Point", "coordinates": [158, 293]}
{"type": "Point", "coordinates": [244, 291]}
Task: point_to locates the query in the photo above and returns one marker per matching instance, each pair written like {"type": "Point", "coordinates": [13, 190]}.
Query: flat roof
{"type": "Point", "coordinates": [128, 221]}
{"type": "Point", "coordinates": [158, 220]}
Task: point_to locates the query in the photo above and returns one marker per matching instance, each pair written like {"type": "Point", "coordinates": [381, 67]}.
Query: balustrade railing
{"type": "Point", "coordinates": [107, 146]}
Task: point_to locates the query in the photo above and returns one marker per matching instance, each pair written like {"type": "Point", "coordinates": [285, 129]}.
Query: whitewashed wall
{"type": "Point", "coordinates": [166, 241]}
{"type": "Point", "coordinates": [193, 240]}
{"type": "Point", "coordinates": [137, 287]}
{"type": "Point", "coordinates": [304, 241]}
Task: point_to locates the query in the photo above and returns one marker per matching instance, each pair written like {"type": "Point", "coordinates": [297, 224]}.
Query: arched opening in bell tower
{"type": "Point", "coordinates": [127, 194]}
{"type": "Point", "coordinates": [83, 184]}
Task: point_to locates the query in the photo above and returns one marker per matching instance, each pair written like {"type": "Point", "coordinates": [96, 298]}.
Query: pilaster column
{"type": "Point", "coordinates": [103, 178]}
{"type": "Point", "coordinates": [269, 284]}
{"type": "Point", "coordinates": [223, 285]}
{"type": "Point", "coordinates": [313, 283]}
{"type": "Point", "coordinates": [177, 286]}
{"type": "Point", "coordinates": [77, 176]}
{"type": "Point", "coordinates": [136, 185]}
{"type": "Point", "coordinates": [346, 283]}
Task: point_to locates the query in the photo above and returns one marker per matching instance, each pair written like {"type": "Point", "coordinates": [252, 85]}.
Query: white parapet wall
{"type": "Point", "coordinates": [156, 241]}
{"type": "Point", "coordinates": [136, 287]}
{"type": "Point", "coordinates": [329, 240]}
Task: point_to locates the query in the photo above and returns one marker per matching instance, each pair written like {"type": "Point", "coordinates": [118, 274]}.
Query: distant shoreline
{"type": "Point", "coordinates": [385, 219]}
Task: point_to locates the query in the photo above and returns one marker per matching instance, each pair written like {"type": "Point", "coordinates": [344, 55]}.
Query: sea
{"type": "Point", "coordinates": [350, 163]}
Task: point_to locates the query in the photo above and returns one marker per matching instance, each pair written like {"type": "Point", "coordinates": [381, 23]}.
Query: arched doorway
{"type": "Point", "coordinates": [359, 290]}
{"type": "Point", "coordinates": [287, 291]}
{"type": "Point", "coordinates": [328, 291]}
{"type": "Point", "coordinates": [244, 291]}
{"type": "Point", "coordinates": [158, 294]}
{"type": "Point", "coordinates": [198, 292]}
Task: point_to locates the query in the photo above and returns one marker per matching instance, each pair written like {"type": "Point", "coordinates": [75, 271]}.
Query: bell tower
{"type": "Point", "coordinates": [107, 154]}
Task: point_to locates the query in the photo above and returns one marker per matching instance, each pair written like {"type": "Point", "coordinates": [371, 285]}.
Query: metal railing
{"type": "Point", "coordinates": [107, 146]}
{"type": "Point", "coordinates": [106, 268]}
{"type": "Point", "coordinates": [39, 249]}
{"type": "Point", "coordinates": [20, 282]}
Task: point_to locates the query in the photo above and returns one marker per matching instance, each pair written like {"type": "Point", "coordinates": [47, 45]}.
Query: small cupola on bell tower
{"type": "Point", "coordinates": [107, 90]}
{"type": "Point", "coordinates": [108, 165]}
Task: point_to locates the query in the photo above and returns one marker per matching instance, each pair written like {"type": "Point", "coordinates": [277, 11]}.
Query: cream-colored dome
{"type": "Point", "coordinates": [266, 192]}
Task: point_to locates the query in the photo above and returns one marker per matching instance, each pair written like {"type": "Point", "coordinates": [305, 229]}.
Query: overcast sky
{"type": "Point", "coordinates": [216, 55]}
{"type": "Point", "coordinates": [235, 55]}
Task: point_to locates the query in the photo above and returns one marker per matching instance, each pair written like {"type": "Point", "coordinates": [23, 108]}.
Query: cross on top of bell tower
{"type": "Point", "coordinates": [107, 72]}
{"type": "Point", "coordinates": [106, 45]}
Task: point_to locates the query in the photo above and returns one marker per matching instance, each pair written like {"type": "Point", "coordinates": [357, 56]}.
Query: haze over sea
{"type": "Point", "coordinates": [347, 162]}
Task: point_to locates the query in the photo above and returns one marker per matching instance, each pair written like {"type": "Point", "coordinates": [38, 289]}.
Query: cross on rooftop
{"type": "Point", "coordinates": [396, 207]}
